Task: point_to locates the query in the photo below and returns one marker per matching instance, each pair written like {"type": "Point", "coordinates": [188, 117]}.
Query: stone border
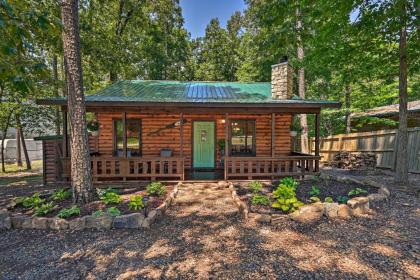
{"type": "Point", "coordinates": [129, 221]}
{"type": "Point", "coordinates": [309, 213]}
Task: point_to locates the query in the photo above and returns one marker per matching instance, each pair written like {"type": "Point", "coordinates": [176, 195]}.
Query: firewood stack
{"type": "Point", "coordinates": [346, 160]}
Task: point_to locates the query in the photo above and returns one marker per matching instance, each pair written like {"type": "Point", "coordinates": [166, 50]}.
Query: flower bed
{"type": "Point", "coordinates": [127, 208]}
{"type": "Point", "coordinates": [307, 200]}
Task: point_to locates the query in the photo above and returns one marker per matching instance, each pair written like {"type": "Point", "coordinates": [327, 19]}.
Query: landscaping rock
{"type": "Point", "coordinates": [151, 217]}
{"type": "Point", "coordinates": [101, 222]}
{"type": "Point", "coordinates": [344, 212]}
{"type": "Point", "coordinates": [331, 210]}
{"type": "Point", "coordinates": [384, 191]}
{"type": "Point", "coordinates": [59, 224]}
{"type": "Point", "coordinates": [223, 184]}
{"type": "Point", "coordinates": [359, 205]}
{"type": "Point", "coordinates": [278, 218]}
{"type": "Point", "coordinates": [77, 224]}
{"type": "Point", "coordinates": [375, 197]}
{"type": "Point", "coordinates": [134, 220]}
{"type": "Point", "coordinates": [40, 223]}
{"type": "Point", "coordinates": [20, 221]}
{"type": "Point", "coordinates": [5, 221]}
{"type": "Point", "coordinates": [308, 214]}
{"type": "Point", "coordinates": [259, 218]}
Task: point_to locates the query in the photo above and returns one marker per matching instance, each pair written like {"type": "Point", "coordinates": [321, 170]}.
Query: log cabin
{"type": "Point", "coordinates": [172, 130]}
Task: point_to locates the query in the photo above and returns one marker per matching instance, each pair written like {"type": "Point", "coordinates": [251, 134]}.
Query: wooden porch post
{"type": "Point", "coordinates": [273, 134]}
{"type": "Point", "coordinates": [181, 143]}
{"type": "Point", "coordinates": [226, 144]}
{"type": "Point", "coordinates": [65, 134]}
{"type": "Point", "coordinates": [124, 165]}
{"type": "Point", "coordinates": [317, 127]}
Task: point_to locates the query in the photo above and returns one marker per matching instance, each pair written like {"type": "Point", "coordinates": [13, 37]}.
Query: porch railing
{"type": "Point", "coordinates": [142, 169]}
{"type": "Point", "coordinates": [272, 167]}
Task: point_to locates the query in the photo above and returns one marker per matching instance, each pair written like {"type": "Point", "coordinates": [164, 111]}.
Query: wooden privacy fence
{"type": "Point", "coordinates": [382, 143]}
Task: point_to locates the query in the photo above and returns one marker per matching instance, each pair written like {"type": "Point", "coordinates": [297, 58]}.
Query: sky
{"type": "Point", "coordinates": [198, 13]}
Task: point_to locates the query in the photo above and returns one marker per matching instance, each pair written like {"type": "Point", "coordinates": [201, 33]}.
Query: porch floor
{"type": "Point", "coordinates": [201, 175]}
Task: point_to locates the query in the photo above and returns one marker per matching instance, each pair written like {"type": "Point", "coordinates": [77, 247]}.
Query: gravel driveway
{"type": "Point", "coordinates": [202, 236]}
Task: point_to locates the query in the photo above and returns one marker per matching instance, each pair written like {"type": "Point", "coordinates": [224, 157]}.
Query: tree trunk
{"type": "Point", "coordinates": [348, 112]}
{"type": "Point", "coordinates": [401, 168]}
{"type": "Point", "coordinates": [18, 149]}
{"type": "Point", "coordinates": [301, 84]}
{"type": "Point", "coordinates": [6, 126]}
{"type": "Point", "coordinates": [56, 93]}
{"type": "Point", "coordinates": [25, 150]}
{"type": "Point", "coordinates": [81, 175]}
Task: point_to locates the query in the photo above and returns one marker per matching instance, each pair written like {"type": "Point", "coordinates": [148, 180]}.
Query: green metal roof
{"type": "Point", "coordinates": [145, 91]}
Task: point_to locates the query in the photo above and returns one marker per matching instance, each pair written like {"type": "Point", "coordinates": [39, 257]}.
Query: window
{"type": "Point", "coordinates": [242, 138]}
{"type": "Point", "coordinates": [133, 137]}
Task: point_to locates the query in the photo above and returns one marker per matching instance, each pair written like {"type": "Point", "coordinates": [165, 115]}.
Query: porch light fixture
{"type": "Point", "coordinates": [223, 121]}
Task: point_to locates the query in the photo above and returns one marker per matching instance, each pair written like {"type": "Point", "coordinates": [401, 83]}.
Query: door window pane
{"type": "Point", "coordinates": [133, 137]}
{"type": "Point", "coordinates": [242, 140]}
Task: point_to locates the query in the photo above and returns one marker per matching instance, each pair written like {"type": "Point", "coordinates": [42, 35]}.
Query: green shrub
{"type": "Point", "coordinates": [286, 199]}
{"type": "Point", "coordinates": [108, 190]}
{"type": "Point", "coordinates": [113, 211]}
{"type": "Point", "coordinates": [111, 198]}
{"type": "Point", "coordinates": [315, 191]}
{"type": "Point", "coordinates": [136, 202]}
{"type": "Point", "coordinates": [155, 189]}
{"type": "Point", "coordinates": [98, 213]}
{"type": "Point", "coordinates": [289, 182]}
{"type": "Point", "coordinates": [61, 194]}
{"type": "Point", "coordinates": [30, 201]}
{"type": "Point", "coordinates": [258, 199]}
{"type": "Point", "coordinates": [329, 199]}
{"type": "Point", "coordinates": [44, 209]}
{"type": "Point", "coordinates": [342, 199]}
{"type": "Point", "coordinates": [255, 186]}
{"type": "Point", "coordinates": [69, 212]}
{"type": "Point", "coordinates": [357, 191]}
{"type": "Point", "coordinates": [314, 199]}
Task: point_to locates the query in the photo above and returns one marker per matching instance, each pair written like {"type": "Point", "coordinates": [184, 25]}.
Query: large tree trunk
{"type": "Point", "coordinates": [25, 150]}
{"type": "Point", "coordinates": [301, 84]}
{"type": "Point", "coordinates": [401, 169]}
{"type": "Point", "coordinates": [6, 126]}
{"type": "Point", "coordinates": [18, 149]}
{"type": "Point", "coordinates": [56, 93]}
{"type": "Point", "coordinates": [348, 112]}
{"type": "Point", "coordinates": [81, 175]}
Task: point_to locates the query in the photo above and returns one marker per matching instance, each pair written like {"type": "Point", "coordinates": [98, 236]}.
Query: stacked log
{"type": "Point", "coordinates": [346, 160]}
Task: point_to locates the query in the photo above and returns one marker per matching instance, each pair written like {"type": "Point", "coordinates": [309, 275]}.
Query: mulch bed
{"type": "Point", "coordinates": [88, 209]}
{"type": "Point", "coordinates": [328, 188]}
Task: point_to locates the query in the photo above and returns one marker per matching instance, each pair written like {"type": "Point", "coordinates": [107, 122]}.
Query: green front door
{"type": "Point", "coordinates": [203, 146]}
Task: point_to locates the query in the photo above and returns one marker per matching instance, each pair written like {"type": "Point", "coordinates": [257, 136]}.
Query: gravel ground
{"type": "Point", "coordinates": [203, 237]}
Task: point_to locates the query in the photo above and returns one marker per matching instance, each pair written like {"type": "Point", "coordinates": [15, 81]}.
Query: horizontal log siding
{"type": "Point", "coordinates": [169, 138]}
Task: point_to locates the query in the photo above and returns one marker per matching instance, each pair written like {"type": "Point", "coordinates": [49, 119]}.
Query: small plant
{"type": "Point", "coordinates": [111, 198]}
{"type": "Point", "coordinates": [113, 211]}
{"type": "Point", "coordinates": [98, 213]}
{"type": "Point", "coordinates": [44, 209]}
{"type": "Point", "coordinates": [69, 212]}
{"type": "Point", "coordinates": [286, 199]}
{"type": "Point", "coordinates": [290, 182]}
{"type": "Point", "coordinates": [155, 189]}
{"type": "Point", "coordinates": [61, 194]}
{"type": "Point", "coordinates": [255, 186]}
{"type": "Point", "coordinates": [92, 126]}
{"type": "Point", "coordinates": [108, 190]}
{"type": "Point", "coordinates": [136, 202]}
{"type": "Point", "coordinates": [357, 191]}
{"type": "Point", "coordinates": [30, 201]}
{"type": "Point", "coordinates": [315, 191]}
{"type": "Point", "coordinates": [329, 199]}
{"type": "Point", "coordinates": [314, 199]}
{"type": "Point", "coordinates": [342, 199]}
{"type": "Point", "coordinates": [258, 199]}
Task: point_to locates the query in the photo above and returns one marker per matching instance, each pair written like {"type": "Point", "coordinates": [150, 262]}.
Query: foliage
{"type": "Point", "coordinates": [255, 186]}
{"type": "Point", "coordinates": [342, 199]}
{"type": "Point", "coordinates": [315, 191]}
{"type": "Point", "coordinates": [30, 201]}
{"type": "Point", "coordinates": [108, 190]}
{"type": "Point", "coordinates": [329, 199]}
{"type": "Point", "coordinates": [69, 212]}
{"type": "Point", "coordinates": [155, 189]}
{"type": "Point", "coordinates": [258, 199]}
{"type": "Point", "coordinates": [136, 202]}
{"type": "Point", "coordinates": [111, 198]}
{"type": "Point", "coordinates": [61, 194]}
{"type": "Point", "coordinates": [290, 182]}
{"type": "Point", "coordinates": [98, 213]}
{"type": "Point", "coordinates": [92, 126]}
{"type": "Point", "coordinates": [44, 209]}
{"type": "Point", "coordinates": [113, 211]}
{"type": "Point", "coordinates": [357, 191]}
{"type": "Point", "coordinates": [314, 199]}
{"type": "Point", "coordinates": [286, 199]}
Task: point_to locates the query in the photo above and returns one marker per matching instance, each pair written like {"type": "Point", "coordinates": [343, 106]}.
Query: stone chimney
{"type": "Point", "coordinates": [282, 80]}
